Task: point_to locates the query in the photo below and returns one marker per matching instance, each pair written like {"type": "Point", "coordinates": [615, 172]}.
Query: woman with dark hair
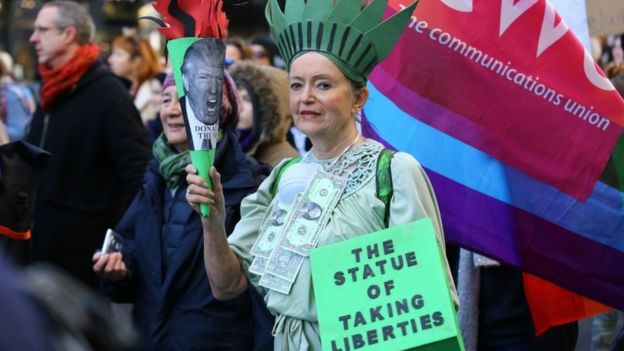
{"type": "Point", "coordinates": [618, 83]}
{"type": "Point", "coordinates": [265, 51]}
{"type": "Point", "coordinates": [160, 268]}
{"type": "Point", "coordinates": [236, 49]}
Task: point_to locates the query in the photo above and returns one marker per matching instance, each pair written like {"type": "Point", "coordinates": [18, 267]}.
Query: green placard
{"type": "Point", "coordinates": [386, 290]}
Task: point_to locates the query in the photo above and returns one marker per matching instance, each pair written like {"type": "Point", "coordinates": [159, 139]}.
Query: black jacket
{"type": "Point", "coordinates": [99, 152]}
{"type": "Point", "coordinates": [163, 249]}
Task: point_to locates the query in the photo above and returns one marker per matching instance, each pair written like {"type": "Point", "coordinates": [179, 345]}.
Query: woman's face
{"type": "Point", "coordinates": [155, 93]}
{"type": "Point", "coordinates": [233, 53]}
{"type": "Point", "coordinates": [172, 119]}
{"type": "Point", "coordinates": [322, 100]}
{"type": "Point", "coordinates": [122, 64]}
{"type": "Point", "coordinates": [245, 110]}
{"type": "Point", "coordinates": [260, 54]}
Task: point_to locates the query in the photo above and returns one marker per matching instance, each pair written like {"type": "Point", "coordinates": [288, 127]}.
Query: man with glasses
{"type": "Point", "coordinates": [99, 146]}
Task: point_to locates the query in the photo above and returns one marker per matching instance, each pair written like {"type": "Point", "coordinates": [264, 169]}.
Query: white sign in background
{"type": "Point", "coordinates": [574, 13]}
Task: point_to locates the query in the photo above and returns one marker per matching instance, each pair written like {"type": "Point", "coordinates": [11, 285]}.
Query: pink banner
{"type": "Point", "coordinates": [514, 70]}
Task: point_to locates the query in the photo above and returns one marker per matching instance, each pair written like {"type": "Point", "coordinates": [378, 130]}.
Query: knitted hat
{"type": "Point", "coordinates": [354, 39]}
{"type": "Point", "coordinates": [169, 81]}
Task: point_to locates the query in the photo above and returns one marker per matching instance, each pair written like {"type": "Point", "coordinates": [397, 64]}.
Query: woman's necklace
{"type": "Point", "coordinates": [346, 149]}
{"type": "Point", "coordinates": [357, 137]}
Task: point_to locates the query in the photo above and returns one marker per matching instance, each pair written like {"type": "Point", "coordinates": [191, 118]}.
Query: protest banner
{"type": "Point", "coordinates": [574, 13]}
{"type": "Point", "coordinates": [520, 133]}
{"type": "Point", "coordinates": [386, 290]}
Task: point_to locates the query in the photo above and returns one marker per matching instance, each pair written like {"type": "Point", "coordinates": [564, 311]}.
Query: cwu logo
{"type": "Point", "coordinates": [553, 28]}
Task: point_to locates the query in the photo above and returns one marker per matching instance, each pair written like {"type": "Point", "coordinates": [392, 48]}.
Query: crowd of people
{"type": "Point", "coordinates": [609, 54]}
{"type": "Point", "coordinates": [288, 120]}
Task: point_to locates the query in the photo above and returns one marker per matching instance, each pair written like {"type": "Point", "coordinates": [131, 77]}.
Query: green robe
{"type": "Point", "coordinates": [357, 213]}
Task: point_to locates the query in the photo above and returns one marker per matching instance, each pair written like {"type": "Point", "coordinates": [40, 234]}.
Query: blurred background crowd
{"type": "Point", "coordinates": [111, 18]}
{"type": "Point", "coordinates": [123, 37]}
{"type": "Point", "coordinates": [131, 46]}
{"type": "Point", "coordinates": [134, 50]}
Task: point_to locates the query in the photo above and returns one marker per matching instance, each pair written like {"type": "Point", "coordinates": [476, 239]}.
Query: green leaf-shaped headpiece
{"type": "Point", "coordinates": [354, 39]}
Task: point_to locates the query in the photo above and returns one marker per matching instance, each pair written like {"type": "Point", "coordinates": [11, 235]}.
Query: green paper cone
{"type": "Point", "coordinates": [198, 70]}
{"type": "Point", "coordinates": [203, 160]}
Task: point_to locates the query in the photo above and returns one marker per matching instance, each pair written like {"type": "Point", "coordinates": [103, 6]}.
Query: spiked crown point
{"type": "Point", "coordinates": [354, 39]}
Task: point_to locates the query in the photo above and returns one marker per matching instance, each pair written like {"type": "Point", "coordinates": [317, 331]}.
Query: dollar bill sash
{"type": "Point", "coordinates": [288, 234]}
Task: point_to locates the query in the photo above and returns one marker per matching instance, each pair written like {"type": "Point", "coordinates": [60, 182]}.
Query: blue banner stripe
{"type": "Point", "coordinates": [601, 218]}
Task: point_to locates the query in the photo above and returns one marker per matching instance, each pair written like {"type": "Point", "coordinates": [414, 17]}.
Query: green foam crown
{"type": "Point", "coordinates": [354, 39]}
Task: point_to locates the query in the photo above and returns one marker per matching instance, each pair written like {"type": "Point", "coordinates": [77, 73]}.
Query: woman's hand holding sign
{"type": "Point", "coordinates": [198, 192]}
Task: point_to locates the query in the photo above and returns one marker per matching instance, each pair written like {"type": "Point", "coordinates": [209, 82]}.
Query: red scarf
{"type": "Point", "coordinates": [60, 80]}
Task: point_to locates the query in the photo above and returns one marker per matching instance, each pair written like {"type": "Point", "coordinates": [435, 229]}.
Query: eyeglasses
{"type": "Point", "coordinates": [42, 30]}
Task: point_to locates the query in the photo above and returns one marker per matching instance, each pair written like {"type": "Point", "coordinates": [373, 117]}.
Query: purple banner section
{"type": "Point", "coordinates": [600, 218]}
{"type": "Point", "coordinates": [488, 226]}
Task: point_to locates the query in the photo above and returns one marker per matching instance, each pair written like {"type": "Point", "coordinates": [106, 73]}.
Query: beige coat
{"type": "Point", "coordinates": [272, 116]}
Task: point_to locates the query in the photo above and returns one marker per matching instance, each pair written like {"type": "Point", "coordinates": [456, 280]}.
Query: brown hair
{"type": "Point", "coordinates": [139, 47]}
{"type": "Point", "coordinates": [618, 83]}
{"type": "Point", "coordinates": [241, 45]}
{"type": "Point", "coordinates": [612, 69]}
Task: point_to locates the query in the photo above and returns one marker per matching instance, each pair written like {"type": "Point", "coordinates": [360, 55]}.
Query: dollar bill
{"type": "Point", "coordinates": [270, 232]}
{"type": "Point", "coordinates": [312, 212]}
{"type": "Point", "coordinates": [258, 265]}
{"type": "Point", "coordinates": [284, 264]}
{"type": "Point", "coordinates": [275, 283]}
{"type": "Point", "coordinates": [266, 242]}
